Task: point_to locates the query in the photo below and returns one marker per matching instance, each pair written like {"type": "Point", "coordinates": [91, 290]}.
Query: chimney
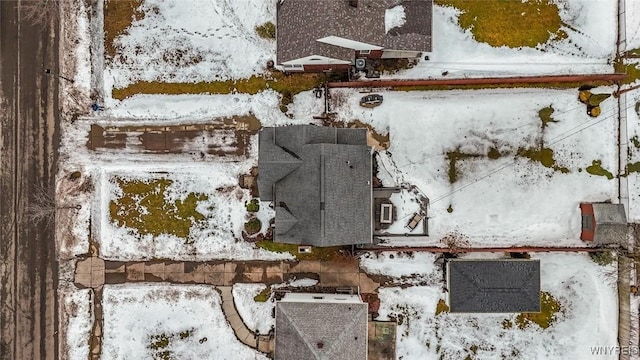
{"type": "Point", "coordinates": [353, 3]}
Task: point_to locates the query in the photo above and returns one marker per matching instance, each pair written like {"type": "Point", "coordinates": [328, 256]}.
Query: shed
{"type": "Point", "coordinates": [603, 223]}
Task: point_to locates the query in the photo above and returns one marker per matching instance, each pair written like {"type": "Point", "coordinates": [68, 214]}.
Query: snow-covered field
{"type": "Point", "coordinates": [256, 315]}
{"type": "Point", "coordinates": [77, 319]}
{"type": "Point", "coordinates": [507, 201]}
{"type": "Point", "coordinates": [142, 321]}
{"type": "Point", "coordinates": [588, 317]}
{"type": "Point", "coordinates": [589, 47]}
{"type": "Point", "coordinates": [217, 237]}
{"type": "Point", "coordinates": [190, 42]}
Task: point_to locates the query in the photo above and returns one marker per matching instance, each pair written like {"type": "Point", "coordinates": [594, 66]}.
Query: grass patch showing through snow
{"type": "Point", "coordinates": [317, 253]}
{"type": "Point", "coordinates": [118, 16]}
{"type": "Point", "coordinates": [159, 344]}
{"type": "Point", "coordinates": [508, 22]}
{"type": "Point", "coordinates": [264, 295]}
{"type": "Point", "coordinates": [545, 116]}
{"type": "Point", "coordinates": [549, 307]}
{"type": "Point", "coordinates": [441, 307]}
{"type": "Point", "coordinates": [143, 207]}
{"type": "Point", "coordinates": [287, 85]}
{"type": "Point", "coordinates": [267, 31]}
{"type": "Point", "coordinates": [544, 156]}
{"type": "Point", "coordinates": [596, 169]}
{"type": "Point", "coordinates": [632, 71]}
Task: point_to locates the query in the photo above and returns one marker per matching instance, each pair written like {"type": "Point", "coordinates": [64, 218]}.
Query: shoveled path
{"type": "Point", "coordinates": [93, 272]}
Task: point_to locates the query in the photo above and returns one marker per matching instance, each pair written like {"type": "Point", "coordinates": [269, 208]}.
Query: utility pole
{"type": "Point", "coordinates": [49, 72]}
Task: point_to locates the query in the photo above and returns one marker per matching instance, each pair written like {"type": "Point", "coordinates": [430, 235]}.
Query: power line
{"type": "Point", "coordinates": [443, 196]}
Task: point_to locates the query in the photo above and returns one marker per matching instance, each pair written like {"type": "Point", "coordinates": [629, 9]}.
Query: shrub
{"type": "Point", "coordinates": [603, 257]}
{"type": "Point", "coordinates": [252, 226]}
{"type": "Point", "coordinates": [267, 30]}
{"type": "Point", "coordinates": [253, 205]}
{"type": "Point", "coordinates": [264, 295]}
{"type": "Point", "coordinates": [595, 111]}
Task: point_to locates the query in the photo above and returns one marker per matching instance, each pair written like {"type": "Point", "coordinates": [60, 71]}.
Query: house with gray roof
{"type": "Point", "coordinates": [319, 180]}
{"type": "Point", "coordinates": [493, 286]}
{"type": "Point", "coordinates": [324, 35]}
{"type": "Point", "coordinates": [321, 326]}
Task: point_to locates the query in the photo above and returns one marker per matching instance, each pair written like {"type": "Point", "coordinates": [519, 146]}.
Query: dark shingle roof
{"type": "Point", "coordinates": [340, 328]}
{"type": "Point", "coordinates": [494, 286]}
{"type": "Point", "coordinates": [320, 181]}
{"type": "Point", "coordinates": [301, 22]}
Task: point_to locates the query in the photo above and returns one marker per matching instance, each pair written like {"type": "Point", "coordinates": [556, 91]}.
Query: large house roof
{"type": "Point", "coordinates": [494, 286]}
{"type": "Point", "coordinates": [319, 179]}
{"type": "Point", "coordinates": [310, 330]}
{"type": "Point", "coordinates": [301, 22]}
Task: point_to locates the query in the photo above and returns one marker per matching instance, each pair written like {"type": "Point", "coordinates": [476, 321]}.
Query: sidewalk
{"type": "Point", "coordinates": [94, 272]}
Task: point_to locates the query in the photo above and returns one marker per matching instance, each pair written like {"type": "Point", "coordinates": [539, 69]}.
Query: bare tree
{"type": "Point", "coordinates": [43, 207]}
{"type": "Point", "coordinates": [40, 12]}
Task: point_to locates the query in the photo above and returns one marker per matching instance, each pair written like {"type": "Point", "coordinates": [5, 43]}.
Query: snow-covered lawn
{"type": "Point", "coordinates": [509, 200]}
{"type": "Point", "coordinates": [221, 204]}
{"type": "Point", "coordinates": [143, 321]}
{"type": "Point", "coordinates": [588, 48]}
{"type": "Point", "coordinates": [587, 318]}
{"type": "Point", "coordinates": [409, 268]}
{"type": "Point", "coordinates": [77, 319]}
{"type": "Point", "coordinates": [198, 40]}
{"type": "Point", "coordinates": [256, 315]}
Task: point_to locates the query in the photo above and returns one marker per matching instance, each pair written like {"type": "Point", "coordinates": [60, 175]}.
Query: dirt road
{"type": "Point", "coordinates": [28, 153]}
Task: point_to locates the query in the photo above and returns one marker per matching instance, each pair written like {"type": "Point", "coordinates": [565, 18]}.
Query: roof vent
{"type": "Point", "coordinates": [353, 3]}
{"type": "Point", "coordinates": [360, 64]}
{"type": "Point", "coordinates": [320, 345]}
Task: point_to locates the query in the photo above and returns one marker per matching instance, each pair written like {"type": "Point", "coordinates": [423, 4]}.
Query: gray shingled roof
{"type": "Point", "coordinates": [340, 328]}
{"type": "Point", "coordinates": [611, 223]}
{"type": "Point", "coordinates": [494, 286]}
{"type": "Point", "coordinates": [301, 22]}
{"type": "Point", "coordinates": [320, 181]}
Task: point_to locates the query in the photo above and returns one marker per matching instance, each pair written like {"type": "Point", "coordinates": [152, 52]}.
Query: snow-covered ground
{"type": "Point", "coordinates": [77, 319]}
{"type": "Point", "coordinates": [201, 108]}
{"type": "Point", "coordinates": [217, 237]}
{"type": "Point", "coordinates": [256, 315]}
{"type": "Point", "coordinates": [588, 318]}
{"type": "Point", "coordinates": [632, 24]}
{"type": "Point", "coordinates": [190, 42]}
{"type": "Point", "coordinates": [502, 202]}
{"type": "Point", "coordinates": [410, 268]}
{"type": "Point", "coordinates": [589, 47]}
{"type": "Point", "coordinates": [632, 100]}
{"type": "Point", "coordinates": [142, 321]}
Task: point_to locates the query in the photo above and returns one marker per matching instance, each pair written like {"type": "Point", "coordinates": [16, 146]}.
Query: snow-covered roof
{"type": "Point", "coordinates": [301, 23]}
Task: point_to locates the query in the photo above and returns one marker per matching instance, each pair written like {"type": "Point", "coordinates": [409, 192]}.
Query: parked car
{"type": "Point", "coordinates": [371, 100]}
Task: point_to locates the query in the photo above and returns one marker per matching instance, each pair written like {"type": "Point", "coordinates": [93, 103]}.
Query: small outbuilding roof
{"type": "Point", "coordinates": [300, 23]}
{"type": "Point", "coordinates": [494, 286]}
{"type": "Point", "coordinates": [319, 179]}
{"type": "Point", "coordinates": [321, 330]}
{"type": "Point", "coordinates": [603, 223]}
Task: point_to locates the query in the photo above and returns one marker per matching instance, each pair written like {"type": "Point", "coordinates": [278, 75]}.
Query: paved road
{"type": "Point", "coordinates": [28, 145]}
